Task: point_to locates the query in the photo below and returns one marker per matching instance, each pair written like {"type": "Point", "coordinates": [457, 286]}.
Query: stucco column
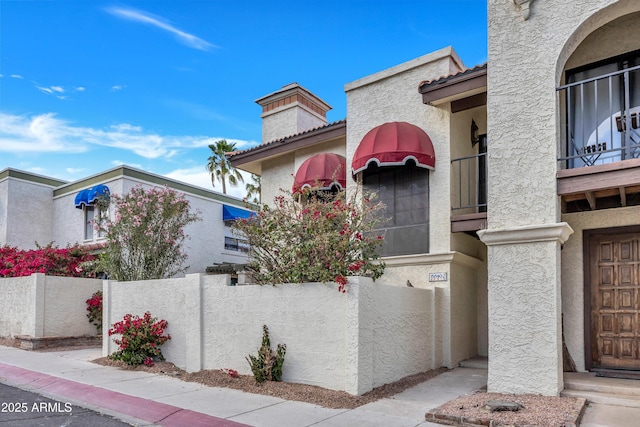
{"type": "Point", "coordinates": [524, 299]}
{"type": "Point", "coordinates": [359, 336]}
{"type": "Point", "coordinates": [39, 282]}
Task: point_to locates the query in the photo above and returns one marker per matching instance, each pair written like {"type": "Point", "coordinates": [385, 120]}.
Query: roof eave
{"type": "Point", "coordinates": [455, 88]}
{"type": "Point", "coordinates": [289, 144]}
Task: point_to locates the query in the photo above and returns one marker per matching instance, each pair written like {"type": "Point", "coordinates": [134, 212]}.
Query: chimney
{"type": "Point", "coordinates": [289, 111]}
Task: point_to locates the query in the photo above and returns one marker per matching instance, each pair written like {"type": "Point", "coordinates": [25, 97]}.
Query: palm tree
{"type": "Point", "coordinates": [219, 166]}
{"type": "Point", "coordinates": [254, 189]}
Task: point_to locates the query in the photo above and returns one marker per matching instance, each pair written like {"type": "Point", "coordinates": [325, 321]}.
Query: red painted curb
{"type": "Point", "coordinates": [143, 409]}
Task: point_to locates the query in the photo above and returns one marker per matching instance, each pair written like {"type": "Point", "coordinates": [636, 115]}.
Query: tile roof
{"type": "Point", "coordinates": [287, 138]}
{"type": "Point", "coordinates": [428, 84]}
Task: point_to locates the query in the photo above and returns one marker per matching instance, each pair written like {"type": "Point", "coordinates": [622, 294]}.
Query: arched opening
{"type": "Point", "coordinates": [599, 87]}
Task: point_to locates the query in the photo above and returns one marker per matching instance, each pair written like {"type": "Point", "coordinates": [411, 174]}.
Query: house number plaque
{"type": "Point", "coordinates": [437, 277]}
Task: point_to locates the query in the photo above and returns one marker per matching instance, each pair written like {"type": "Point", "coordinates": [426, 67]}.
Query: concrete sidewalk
{"type": "Point", "coordinates": [143, 399]}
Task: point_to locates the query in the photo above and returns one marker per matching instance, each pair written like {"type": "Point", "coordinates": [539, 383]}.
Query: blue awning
{"type": "Point", "coordinates": [230, 213]}
{"type": "Point", "coordinates": [91, 195]}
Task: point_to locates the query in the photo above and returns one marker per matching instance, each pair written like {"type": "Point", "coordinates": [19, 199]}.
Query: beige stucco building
{"type": "Point", "coordinates": [528, 216]}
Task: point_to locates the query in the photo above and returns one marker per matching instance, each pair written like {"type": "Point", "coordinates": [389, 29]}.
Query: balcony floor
{"type": "Point", "coordinates": [600, 187]}
{"type": "Point", "coordinates": [469, 223]}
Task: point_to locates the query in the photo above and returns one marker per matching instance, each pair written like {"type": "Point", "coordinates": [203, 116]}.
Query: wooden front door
{"type": "Point", "coordinates": [615, 300]}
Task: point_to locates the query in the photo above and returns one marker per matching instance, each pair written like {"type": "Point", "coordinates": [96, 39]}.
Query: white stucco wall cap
{"type": "Point", "coordinates": [432, 259]}
{"type": "Point", "coordinates": [559, 232]}
{"type": "Point", "coordinates": [406, 66]}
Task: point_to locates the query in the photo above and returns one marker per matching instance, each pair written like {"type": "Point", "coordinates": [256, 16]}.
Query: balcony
{"type": "Point", "coordinates": [469, 184]}
{"type": "Point", "coordinates": [600, 160]}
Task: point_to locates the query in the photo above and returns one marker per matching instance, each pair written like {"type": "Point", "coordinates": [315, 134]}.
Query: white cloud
{"type": "Point", "coordinates": [17, 76]}
{"type": "Point", "coordinates": [120, 163]}
{"type": "Point", "coordinates": [52, 90]}
{"type": "Point", "coordinates": [80, 89]}
{"type": "Point", "coordinates": [74, 171]}
{"type": "Point", "coordinates": [124, 127]}
{"type": "Point", "coordinates": [44, 89]}
{"type": "Point", "coordinates": [159, 22]}
{"type": "Point", "coordinates": [41, 133]}
{"type": "Point", "coordinates": [116, 88]}
{"type": "Point", "coordinates": [1, 76]}
{"type": "Point", "coordinates": [47, 133]}
{"type": "Point", "coordinates": [200, 177]}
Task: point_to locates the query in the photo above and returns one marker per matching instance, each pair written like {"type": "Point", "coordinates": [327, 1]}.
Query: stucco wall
{"type": "Point", "coordinates": [391, 95]}
{"type": "Point", "coordinates": [464, 311]}
{"type": "Point", "coordinates": [4, 200]}
{"type": "Point", "coordinates": [17, 306]}
{"type": "Point", "coordinates": [65, 307]}
{"type": "Point", "coordinates": [524, 124]}
{"type": "Point", "coordinates": [614, 38]}
{"type": "Point", "coordinates": [174, 300]}
{"type": "Point", "coordinates": [289, 120]}
{"type": "Point", "coordinates": [474, 248]}
{"type": "Point", "coordinates": [460, 305]}
{"type": "Point", "coordinates": [28, 213]}
{"type": "Point", "coordinates": [369, 336]}
{"type": "Point", "coordinates": [402, 326]}
{"type": "Point", "coordinates": [573, 271]}
{"type": "Point", "coordinates": [527, 59]}
{"type": "Point", "coordinates": [309, 318]}
{"type": "Point", "coordinates": [69, 220]}
{"type": "Point", "coordinates": [525, 347]}
{"type": "Point", "coordinates": [278, 174]}
{"type": "Point", "coordinates": [46, 306]}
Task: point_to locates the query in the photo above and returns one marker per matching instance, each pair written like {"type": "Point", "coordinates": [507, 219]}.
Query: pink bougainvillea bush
{"type": "Point", "coordinates": [94, 308]}
{"type": "Point", "coordinates": [50, 260]}
{"type": "Point", "coordinates": [145, 237]}
{"type": "Point", "coordinates": [140, 339]}
{"type": "Point", "coordinates": [311, 236]}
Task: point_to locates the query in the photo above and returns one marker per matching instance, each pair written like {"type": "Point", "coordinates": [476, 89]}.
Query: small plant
{"type": "Point", "coordinates": [140, 340]}
{"type": "Point", "coordinates": [268, 365]}
{"type": "Point", "coordinates": [231, 372]}
{"type": "Point", "coordinates": [94, 308]}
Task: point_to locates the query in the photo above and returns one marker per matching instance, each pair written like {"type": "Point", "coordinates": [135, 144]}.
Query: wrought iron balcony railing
{"type": "Point", "coordinates": [470, 193]}
{"type": "Point", "coordinates": [602, 119]}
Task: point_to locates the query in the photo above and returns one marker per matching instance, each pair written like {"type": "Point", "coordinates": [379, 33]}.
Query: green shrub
{"type": "Point", "coordinates": [267, 366]}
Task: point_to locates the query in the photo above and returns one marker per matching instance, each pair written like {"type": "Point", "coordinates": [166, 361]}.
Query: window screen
{"type": "Point", "coordinates": [404, 190]}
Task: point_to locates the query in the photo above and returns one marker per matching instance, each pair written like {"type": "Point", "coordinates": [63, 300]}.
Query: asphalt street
{"type": "Point", "coordinates": [25, 409]}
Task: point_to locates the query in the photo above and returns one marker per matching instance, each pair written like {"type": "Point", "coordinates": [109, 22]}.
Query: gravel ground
{"type": "Point", "coordinates": [289, 391]}
{"type": "Point", "coordinates": [537, 410]}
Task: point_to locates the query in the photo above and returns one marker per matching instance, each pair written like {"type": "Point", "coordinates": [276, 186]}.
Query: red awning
{"type": "Point", "coordinates": [392, 144]}
{"type": "Point", "coordinates": [325, 169]}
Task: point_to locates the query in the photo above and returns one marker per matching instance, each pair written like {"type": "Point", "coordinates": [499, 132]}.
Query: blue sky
{"type": "Point", "coordinates": [87, 85]}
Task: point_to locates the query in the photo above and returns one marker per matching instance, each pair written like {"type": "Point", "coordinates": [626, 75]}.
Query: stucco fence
{"type": "Point", "coordinates": [372, 335]}
{"type": "Point", "coordinates": [40, 306]}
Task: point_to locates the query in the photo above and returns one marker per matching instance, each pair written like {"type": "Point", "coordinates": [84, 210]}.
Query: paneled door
{"type": "Point", "coordinates": [615, 300]}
